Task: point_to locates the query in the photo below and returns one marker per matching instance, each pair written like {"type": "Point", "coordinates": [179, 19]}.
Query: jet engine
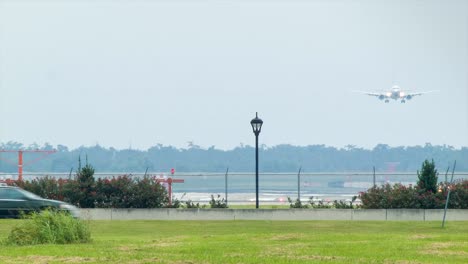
{"type": "Point", "coordinates": [408, 97]}
{"type": "Point", "coordinates": [381, 97]}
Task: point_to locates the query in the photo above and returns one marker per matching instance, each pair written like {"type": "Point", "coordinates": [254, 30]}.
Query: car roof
{"type": "Point", "coordinates": [4, 185]}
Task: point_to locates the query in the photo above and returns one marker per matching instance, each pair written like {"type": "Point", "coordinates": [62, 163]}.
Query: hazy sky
{"type": "Point", "coordinates": [121, 73]}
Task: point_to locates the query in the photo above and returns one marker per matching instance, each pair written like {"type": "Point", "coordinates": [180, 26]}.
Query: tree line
{"type": "Point", "coordinates": [280, 158]}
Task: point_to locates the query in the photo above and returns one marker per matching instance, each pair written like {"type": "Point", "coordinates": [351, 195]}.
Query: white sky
{"type": "Point", "coordinates": [121, 73]}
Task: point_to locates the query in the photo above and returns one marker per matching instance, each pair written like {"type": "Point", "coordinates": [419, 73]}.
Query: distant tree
{"type": "Point", "coordinates": [62, 148]}
{"type": "Point", "coordinates": [82, 193]}
{"type": "Point", "coordinates": [279, 158]}
{"type": "Point", "coordinates": [427, 177]}
{"type": "Point", "coordinates": [33, 146]}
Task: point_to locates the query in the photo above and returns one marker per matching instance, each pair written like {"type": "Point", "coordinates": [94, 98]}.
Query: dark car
{"type": "Point", "coordinates": [14, 200]}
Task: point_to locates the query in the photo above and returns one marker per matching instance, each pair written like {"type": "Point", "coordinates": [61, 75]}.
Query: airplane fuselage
{"type": "Point", "coordinates": [396, 94]}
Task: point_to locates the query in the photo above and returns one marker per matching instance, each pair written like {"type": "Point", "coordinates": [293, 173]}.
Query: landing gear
{"type": "Point", "coordinates": [403, 101]}
{"type": "Point", "coordinates": [386, 101]}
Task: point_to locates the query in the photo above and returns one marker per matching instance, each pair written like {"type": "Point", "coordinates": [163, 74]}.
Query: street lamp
{"type": "Point", "coordinates": [257, 127]}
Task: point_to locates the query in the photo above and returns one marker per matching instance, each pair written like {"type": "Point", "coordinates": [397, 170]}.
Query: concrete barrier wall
{"type": "Point", "coordinates": [405, 215]}
{"type": "Point", "coordinates": [276, 214]}
{"type": "Point", "coordinates": [370, 215]}
{"type": "Point", "coordinates": [452, 215]}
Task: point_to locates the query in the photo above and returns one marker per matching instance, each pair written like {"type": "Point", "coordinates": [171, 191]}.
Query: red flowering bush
{"type": "Point", "coordinates": [124, 192]}
{"type": "Point", "coordinates": [458, 194]}
{"type": "Point", "coordinates": [46, 187]}
{"type": "Point", "coordinates": [115, 192]}
{"type": "Point", "coordinates": [118, 192]}
{"type": "Point", "coordinates": [400, 196]}
{"type": "Point", "coordinates": [388, 196]}
{"type": "Point", "coordinates": [84, 191]}
{"type": "Point", "coordinates": [427, 194]}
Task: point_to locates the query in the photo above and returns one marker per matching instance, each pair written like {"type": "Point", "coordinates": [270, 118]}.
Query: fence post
{"type": "Point", "coordinates": [226, 185]}
{"type": "Point", "coordinates": [299, 184]}
{"type": "Point", "coordinates": [69, 175]}
{"type": "Point", "coordinates": [448, 194]}
{"type": "Point", "coordinates": [374, 176]}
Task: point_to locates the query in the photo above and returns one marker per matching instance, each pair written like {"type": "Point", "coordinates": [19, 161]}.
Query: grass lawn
{"type": "Point", "coordinates": [253, 242]}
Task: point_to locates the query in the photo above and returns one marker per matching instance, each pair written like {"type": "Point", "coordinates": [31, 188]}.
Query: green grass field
{"type": "Point", "coordinates": [253, 242]}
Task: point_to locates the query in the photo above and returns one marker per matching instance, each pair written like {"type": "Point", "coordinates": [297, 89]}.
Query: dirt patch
{"type": "Point", "coordinates": [126, 248]}
{"type": "Point", "coordinates": [46, 259]}
{"type": "Point", "coordinates": [234, 255]}
{"type": "Point", "coordinates": [283, 250]}
{"type": "Point", "coordinates": [155, 244]}
{"type": "Point", "coordinates": [420, 236]}
{"type": "Point", "coordinates": [187, 262]}
{"type": "Point", "coordinates": [443, 249]}
{"type": "Point", "coordinates": [441, 245]}
{"type": "Point", "coordinates": [166, 242]}
{"type": "Point", "coordinates": [171, 239]}
{"type": "Point", "coordinates": [316, 257]}
{"type": "Point", "coordinates": [146, 260]}
{"type": "Point", "coordinates": [163, 260]}
{"type": "Point", "coordinates": [163, 244]}
{"type": "Point", "coordinates": [401, 262]}
{"type": "Point", "coordinates": [287, 237]}
{"type": "Point", "coordinates": [446, 253]}
{"type": "Point", "coordinates": [291, 256]}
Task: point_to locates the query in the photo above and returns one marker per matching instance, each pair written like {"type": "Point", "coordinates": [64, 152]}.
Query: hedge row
{"type": "Point", "coordinates": [125, 192]}
{"type": "Point", "coordinates": [118, 192]}
{"type": "Point", "coordinates": [400, 196]}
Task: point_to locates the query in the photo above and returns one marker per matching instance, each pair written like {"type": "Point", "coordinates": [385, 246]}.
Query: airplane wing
{"type": "Point", "coordinates": [380, 96]}
{"type": "Point", "coordinates": [411, 95]}
{"type": "Point", "coordinates": [370, 93]}
{"type": "Point", "coordinates": [420, 93]}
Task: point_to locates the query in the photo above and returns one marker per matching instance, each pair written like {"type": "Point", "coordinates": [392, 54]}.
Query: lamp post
{"type": "Point", "coordinates": [257, 127]}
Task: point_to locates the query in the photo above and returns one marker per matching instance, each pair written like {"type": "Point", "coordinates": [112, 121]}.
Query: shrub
{"type": "Point", "coordinates": [458, 194]}
{"type": "Point", "coordinates": [340, 204]}
{"type": "Point", "coordinates": [400, 196]}
{"type": "Point", "coordinates": [149, 194]}
{"type": "Point", "coordinates": [318, 204]}
{"type": "Point", "coordinates": [116, 192]}
{"type": "Point", "coordinates": [296, 204]}
{"type": "Point", "coordinates": [190, 204]}
{"type": "Point", "coordinates": [388, 196]}
{"type": "Point", "coordinates": [85, 192]}
{"type": "Point", "coordinates": [47, 187]}
{"type": "Point", "coordinates": [427, 194]}
{"type": "Point", "coordinates": [176, 203]}
{"type": "Point", "coordinates": [49, 227]}
{"type": "Point", "coordinates": [218, 203]}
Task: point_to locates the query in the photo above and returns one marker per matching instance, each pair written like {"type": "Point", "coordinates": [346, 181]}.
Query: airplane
{"type": "Point", "coordinates": [396, 93]}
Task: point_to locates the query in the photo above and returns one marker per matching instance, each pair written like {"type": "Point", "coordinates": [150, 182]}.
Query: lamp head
{"type": "Point", "coordinates": [256, 124]}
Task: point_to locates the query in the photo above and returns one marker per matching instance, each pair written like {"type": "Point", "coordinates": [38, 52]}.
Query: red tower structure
{"type": "Point", "coordinates": [20, 158]}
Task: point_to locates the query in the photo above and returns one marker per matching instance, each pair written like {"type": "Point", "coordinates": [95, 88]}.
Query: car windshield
{"type": "Point", "coordinates": [29, 194]}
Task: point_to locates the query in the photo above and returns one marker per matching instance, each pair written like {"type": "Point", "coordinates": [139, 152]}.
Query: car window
{"type": "Point", "coordinates": [7, 193]}
{"type": "Point", "coordinates": [14, 194]}
{"type": "Point", "coordinates": [28, 194]}
{"type": "Point", "coordinates": [19, 194]}
{"type": "Point", "coordinates": [3, 193]}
